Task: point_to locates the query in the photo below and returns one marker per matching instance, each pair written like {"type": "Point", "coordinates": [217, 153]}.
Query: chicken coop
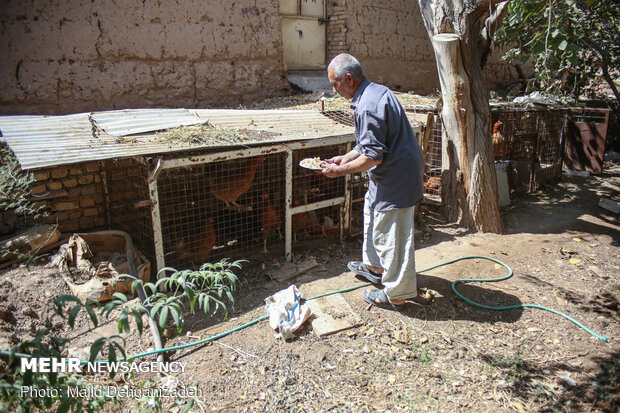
{"type": "Point", "coordinates": [535, 138]}
{"type": "Point", "coordinates": [201, 185]}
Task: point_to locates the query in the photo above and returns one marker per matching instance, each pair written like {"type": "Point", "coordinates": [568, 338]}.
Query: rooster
{"type": "Point", "coordinates": [198, 247]}
{"type": "Point", "coordinates": [270, 219]}
{"type": "Point", "coordinates": [229, 190]}
{"type": "Point", "coordinates": [501, 145]}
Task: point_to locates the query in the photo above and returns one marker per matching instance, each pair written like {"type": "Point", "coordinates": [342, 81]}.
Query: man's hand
{"type": "Point", "coordinates": [331, 170]}
{"type": "Point", "coordinates": [336, 159]}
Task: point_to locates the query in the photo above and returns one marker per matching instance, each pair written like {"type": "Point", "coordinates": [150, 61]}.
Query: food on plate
{"type": "Point", "coordinates": [312, 163]}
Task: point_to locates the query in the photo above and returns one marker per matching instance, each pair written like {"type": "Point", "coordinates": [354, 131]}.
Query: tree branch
{"type": "Point", "coordinates": [494, 21]}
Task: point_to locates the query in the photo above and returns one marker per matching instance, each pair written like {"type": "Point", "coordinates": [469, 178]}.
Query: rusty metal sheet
{"type": "Point", "coordinates": [44, 141]}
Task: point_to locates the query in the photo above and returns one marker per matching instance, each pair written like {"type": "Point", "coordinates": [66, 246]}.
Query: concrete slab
{"type": "Point", "coordinates": [332, 314]}
{"type": "Point", "coordinates": [311, 82]}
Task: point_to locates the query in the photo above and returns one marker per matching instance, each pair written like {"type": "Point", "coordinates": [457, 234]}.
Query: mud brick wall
{"type": "Point", "coordinates": [73, 196]}
{"type": "Point", "coordinates": [391, 42]}
{"type": "Point", "coordinates": [83, 55]}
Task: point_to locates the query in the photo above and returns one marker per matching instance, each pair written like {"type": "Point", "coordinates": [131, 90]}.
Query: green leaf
{"type": "Point", "coordinates": [73, 314]}
{"type": "Point", "coordinates": [96, 348]}
{"type": "Point", "coordinates": [92, 315]}
{"type": "Point", "coordinates": [64, 406]}
{"type": "Point", "coordinates": [562, 45]}
{"type": "Point", "coordinates": [138, 317]}
{"type": "Point", "coordinates": [123, 321]}
{"type": "Point", "coordinates": [163, 316]}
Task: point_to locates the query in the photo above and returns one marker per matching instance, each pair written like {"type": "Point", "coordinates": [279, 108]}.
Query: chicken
{"type": "Point", "coordinates": [501, 146]}
{"type": "Point", "coordinates": [270, 219]}
{"type": "Point", "coordinates": [230, 189]}
{"type": "Point", "coordinates": [433, 183]}
{"type": "Point", "coordinates": [198, 247]}
{"type": "Point", "coordinates": [327, 226]}
{"type": "Point", "coordinates": [300, 221]}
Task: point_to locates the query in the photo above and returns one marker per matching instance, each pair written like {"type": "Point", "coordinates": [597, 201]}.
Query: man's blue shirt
{"type": "Point", "coordinates": [383, 133]}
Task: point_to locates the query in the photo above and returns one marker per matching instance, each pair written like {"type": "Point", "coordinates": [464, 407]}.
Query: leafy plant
{"type": "Point", "coordinates": [48, 390]}
{"type": "Point", "coordinates": [571, 42]}
{"type": "Point", "coordinates": [207, 288]}
{"type": "Point", "coordinates": [15, 187]}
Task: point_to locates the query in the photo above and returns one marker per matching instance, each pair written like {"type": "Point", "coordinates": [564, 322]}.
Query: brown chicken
{"type": "Point", "coordinates": [301, 221]}
{"type": "Point", "coordinates": [270, 219]}
{"type": "Point", "coordinates": [230, 189]}
{"type": "Point", "coordinates": [501, 146]}
{"type": "Point", "coordinates": [433, 184]}
{"type": "Point", "coordinates": [199, 246]}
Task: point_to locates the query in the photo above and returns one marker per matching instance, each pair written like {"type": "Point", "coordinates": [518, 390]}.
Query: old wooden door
{"type": "Point", "coordinates": [303, 33]}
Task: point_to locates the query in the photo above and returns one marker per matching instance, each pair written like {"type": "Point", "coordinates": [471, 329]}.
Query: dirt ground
{"type": "Point", "coordinates": [444, 356]}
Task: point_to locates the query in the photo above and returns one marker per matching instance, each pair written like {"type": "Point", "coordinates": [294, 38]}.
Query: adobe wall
{"type": "Point", "coordinates": [391, 42]}
{"type": "Point", "coordinates": [82, 55]}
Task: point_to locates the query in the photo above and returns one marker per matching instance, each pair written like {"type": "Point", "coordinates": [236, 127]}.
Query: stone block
{"type": "Point", "coordinates": [87, 202]}
{"type": "Point", "coordinates": [60, 172]}
{"type": "Point", "coordinates": [54, 185]}
{"type": "Point", "coordinates": [86, 179]}
{"type": "Point", "coordinates": [70, 182]}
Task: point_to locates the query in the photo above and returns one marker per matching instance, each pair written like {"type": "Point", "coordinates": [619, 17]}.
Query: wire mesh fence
{"type": "Point", "coordinates": [127, 199]}
{"type": "Point", "coordinates": [220, 209]}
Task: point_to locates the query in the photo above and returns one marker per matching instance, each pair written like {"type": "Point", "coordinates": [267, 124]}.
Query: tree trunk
{"type": "Point", "coordinates": [461, 33]}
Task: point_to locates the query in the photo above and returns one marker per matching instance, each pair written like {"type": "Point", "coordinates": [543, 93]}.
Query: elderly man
{"type": "Point", "coordinates": [386, 148]}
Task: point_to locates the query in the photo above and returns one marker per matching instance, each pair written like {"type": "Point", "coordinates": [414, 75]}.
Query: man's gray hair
{"type": "Point", "coordinates": [345, 63]}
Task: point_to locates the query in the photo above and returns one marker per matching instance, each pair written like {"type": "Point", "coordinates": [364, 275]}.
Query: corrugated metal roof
{"type": "Point", "coordinates": [43, 141]}
{"type": "Point", "coordinates": [134, 121]}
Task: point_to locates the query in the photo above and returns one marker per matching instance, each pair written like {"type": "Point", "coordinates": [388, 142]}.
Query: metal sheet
{"type": "Point", "coordinates": [134, 121]}
{"type": "Point", "coordinates": [44, 141]}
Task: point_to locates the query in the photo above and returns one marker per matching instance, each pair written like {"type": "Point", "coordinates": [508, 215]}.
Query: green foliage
{"type": "Point", "coordinates": [206, 288]}
{"type": "Point", "coordinates": [45, 342]}
{"type": "Point", "coordinates": [571, 42]}
{"type": "Point", "coordinates": [15, 187]}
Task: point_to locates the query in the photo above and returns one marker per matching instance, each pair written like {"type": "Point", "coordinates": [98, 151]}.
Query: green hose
{"type": "Point", "coordinates": [344, 290]}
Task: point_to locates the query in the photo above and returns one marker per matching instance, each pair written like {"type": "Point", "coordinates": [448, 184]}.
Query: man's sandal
{"type": "Point", "coordinates": [361, 269]}
{"type": "Point", "coordinates": [380, 299]}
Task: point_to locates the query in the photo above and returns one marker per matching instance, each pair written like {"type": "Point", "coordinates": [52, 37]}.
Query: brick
{"type": "Point", "coordinates": [60, 217]}
{"type": "Point", "coordinates": [99, 198]}
{"type": "Point", "coordinates": [92, 167]}
{"type": "Point", "coordinates": [86, 222]}
{"type": "Point", "coordinates": [38, 189]}
{"type": "Point", "coordinates": [60, 172]}
{"type": "Point", "coordinates": [54, 185]}
{"type": "Point", "coordinates": [97, 178]}
{"type": "Point", "coordinates": [86, 179]}
{"type": "Point", "coordinates": [75, 171]}
{"type": "Point", "coordinates": [42, 175]}
{"type": "Point", "coordinates": [89, 190]}
{"type": "Point", "coordinates": [87, 202]}
{"type": "Point", "coordinates": [74, 192]}
{"type": "Point", "coordinates": [91, 212]}
{"type": "Point", "coordinates": [74, 215]}
{"type": "Point", "coordinates": [69, 227]}
{"type": "Point", "coordinates": [65, 205]}
{"type": "Point", "coordinates": [99, 221]}
{"type": "Point", "coordinates": [70, 183]}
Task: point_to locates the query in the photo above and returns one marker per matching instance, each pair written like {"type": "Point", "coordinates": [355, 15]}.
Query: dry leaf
{"type": "Point", "coordinates": [576, 239]}
{"type": "Point", "coordinates": [519, 407]}
{"type": "Point", "coordinates": [574, 261]}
